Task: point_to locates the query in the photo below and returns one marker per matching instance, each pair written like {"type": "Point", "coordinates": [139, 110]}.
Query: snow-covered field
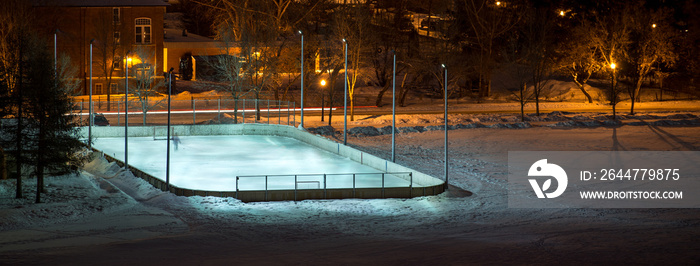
{"type": "Point", "coordinates": [107, 216]}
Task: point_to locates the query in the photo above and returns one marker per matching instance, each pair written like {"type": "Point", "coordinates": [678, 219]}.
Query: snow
{"type": "Point", "coordinates": [106, 215]}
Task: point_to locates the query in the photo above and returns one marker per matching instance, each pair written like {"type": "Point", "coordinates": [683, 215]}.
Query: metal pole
{"type": "Point", "coordinates": [446, 164]}
{"type": "Point", "coordinates": [393, 113]}
{"type": "Point", "coordinates": [167, 160]}
{"type": "Point", "coordinates": [126, 114]}
{"type": "Point", "coordinates": [302, 80]}
{"type": "Point", "coordinates": [268, 111]}
{"type": "Point", "coordinates": [90, 101]}
{"type": "Point", "coordinates": [55, 53]}
{"type": "Point", "coordinates": [345, 108]}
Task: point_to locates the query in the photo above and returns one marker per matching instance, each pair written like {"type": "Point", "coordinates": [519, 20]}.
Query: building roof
{"type": "Point", "coordinates": [99, 3]}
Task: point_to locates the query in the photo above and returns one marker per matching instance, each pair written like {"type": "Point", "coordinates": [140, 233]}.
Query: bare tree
{"type": "Point", "coordinates": [353, 25]}
{"type": "Point", "coordinates": [580, 58]}
{"type": "Point", "coordinates": [540, 46]}
{"type": "Point", "coordinates": [145, 80]}
{"type": "Point", "coordinates": [652, 38]}
{"type": "Point", "coordinates": [610, 36]}
{"type": "Point", "coordinates": [228, 70]}
{"type": "Point", "coordinates": [108, 47]}
{"type": "Point", "coordinates": [482, 24]}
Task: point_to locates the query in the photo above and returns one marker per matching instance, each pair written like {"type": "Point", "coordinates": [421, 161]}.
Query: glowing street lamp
{"type": "Point", "coordinates": [613, 101]}
{"type": "Point", "coordinates": [498, 3]}
{"type": "Point", "coordinates": [562, 13]}
{"type": "Point", "coordinates": [653, 25]}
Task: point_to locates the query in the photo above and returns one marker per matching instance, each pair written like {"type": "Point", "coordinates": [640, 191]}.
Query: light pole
{"type": "Point", "coordinates": [167, 161]}
{"type": "Point", "coordinates": [323, 98]}
{"type": "Point", "coordinates": [302, 80]}
{"type": "Point", "coordinates": [90, 120]}
{"type": "Point", "coordinates": [126, 112]}
{"type": "Point", "coordinates": [393, 111]}
{"type": "Point", "coordinates": [345, 105]}
{"type": "Point", "coordinates": [447, 184]}
{"type": "Point", "coordinates": [55, 53]}
{"type": "Point", "coordinates": [613, 94]}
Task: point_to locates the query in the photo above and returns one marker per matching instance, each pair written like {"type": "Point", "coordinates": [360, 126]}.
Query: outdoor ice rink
{"type": "Point", "coordinates": [212, 163]}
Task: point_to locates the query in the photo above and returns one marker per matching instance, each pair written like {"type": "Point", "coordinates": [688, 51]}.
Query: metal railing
{"type": "Point", "coordinates": [193, 111]}
{"type": "Point", "coordinates": [288, 182]}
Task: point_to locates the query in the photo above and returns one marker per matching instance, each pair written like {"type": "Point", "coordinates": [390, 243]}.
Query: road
{"type": "Point", "coordinates": [292, 115]}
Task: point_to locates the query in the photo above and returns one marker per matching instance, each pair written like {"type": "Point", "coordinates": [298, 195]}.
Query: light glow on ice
{"type": "Point", "coordinates": [213, 162]}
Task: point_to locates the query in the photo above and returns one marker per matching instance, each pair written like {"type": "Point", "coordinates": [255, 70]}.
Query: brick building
{"type": "Point", "coordinates": [115, 28]}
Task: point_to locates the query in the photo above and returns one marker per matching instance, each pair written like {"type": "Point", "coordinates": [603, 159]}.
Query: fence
{"type": "Point", "coordinates": [289, 182]}
{"type": "Point", "coordinates": [193, 111]}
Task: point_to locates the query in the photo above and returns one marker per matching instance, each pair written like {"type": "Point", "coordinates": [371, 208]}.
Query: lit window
{"type": "Point", "coordinates": [116, 15]}
{"type": "Point", "coordinates": [143, 31]}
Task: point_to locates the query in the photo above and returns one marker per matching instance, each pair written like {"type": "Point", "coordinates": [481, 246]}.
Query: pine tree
{"type": "Point", "coordinates": [53, 137]}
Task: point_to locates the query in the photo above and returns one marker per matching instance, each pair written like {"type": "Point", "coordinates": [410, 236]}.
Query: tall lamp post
{"type": "Point", "coordinates": [323, 98]}
{"type": "Point", "coordinates": [55, 53]}
{"type": "Point", "coordinates": [90, 120]}
{"type": "Point", "coordinates": [126, 112]}
{"type": "Point", "coordinates": [393, 111]}
{"type": "Point", "coordinates": [302, 80]}
{"type": "Point", "coordinates": [167, 161]}
{"type": "Point", "coordinates": [613, 94]}
{"type": "Point", "coordinates": [447, 184]}
{"type": "Point", "coordinates": [345, 105]}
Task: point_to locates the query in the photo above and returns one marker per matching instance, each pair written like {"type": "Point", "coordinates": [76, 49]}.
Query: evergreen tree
{"type": "Point", "coordinates": [54, 136]}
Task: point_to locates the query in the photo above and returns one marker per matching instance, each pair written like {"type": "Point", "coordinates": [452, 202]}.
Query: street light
{"type": "Point", "coordinates": [445, 92]}
{"type": "Point", "coordinates": [345, 106]}
{"type": "Point", "coordinates": [126, 111]}
{"type": "Point", "coordinates": [613, 100]}
{"type": "Point", "coordinates": [393, 111]}
{"type": "Point", "coordinates": [302, 80]}
{"type": "Point", "coordinates": [323, 97]}
{"type": "Point", "coordinates": [167, 163]}
{"type": "Point", "coordinates": [90, 120]}
{"type": "Point", "coordinates": [55, 52]}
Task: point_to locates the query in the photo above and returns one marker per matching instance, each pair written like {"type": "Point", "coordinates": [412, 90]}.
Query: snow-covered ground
{"type": "Point", "coordinates": [107, 216]}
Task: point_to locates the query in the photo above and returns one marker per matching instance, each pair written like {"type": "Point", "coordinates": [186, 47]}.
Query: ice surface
{"type": "Point", "coordinates": [213, 162]}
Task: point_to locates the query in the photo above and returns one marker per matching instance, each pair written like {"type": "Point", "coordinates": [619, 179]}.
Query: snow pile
{"type": "Point", "coordinates": [66, 198]}
{"type": "Point", "coordinates": [135, 187]}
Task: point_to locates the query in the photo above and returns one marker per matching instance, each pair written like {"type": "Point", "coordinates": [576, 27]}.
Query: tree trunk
{"type": "Point", "coordinates": [378, 103]}
{"type": "Point", "coordinates": [581, 87]}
